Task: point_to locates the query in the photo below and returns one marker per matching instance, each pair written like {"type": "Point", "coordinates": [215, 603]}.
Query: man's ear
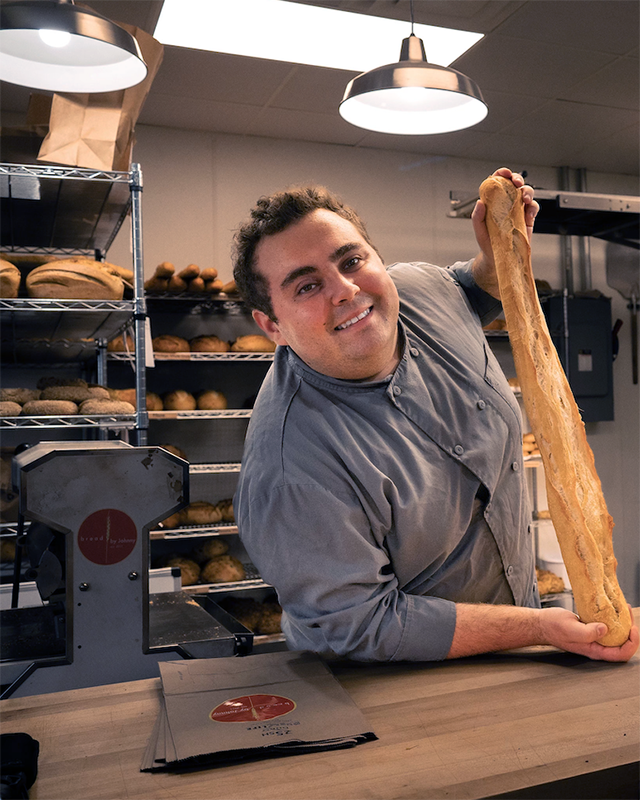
{"type": "Point", "coordinates": [270, 327]}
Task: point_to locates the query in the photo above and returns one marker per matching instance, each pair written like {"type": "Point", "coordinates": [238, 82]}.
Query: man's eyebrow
{"type": "Point", "coordinates": [301, 271]}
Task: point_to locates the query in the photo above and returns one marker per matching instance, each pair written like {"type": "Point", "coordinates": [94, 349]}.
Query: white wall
{"type": "Point", "coordinates": [198, 188]}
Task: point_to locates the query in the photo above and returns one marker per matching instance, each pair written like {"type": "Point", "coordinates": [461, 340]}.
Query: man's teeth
{"type": "Point", "coordinates": [352, 321]}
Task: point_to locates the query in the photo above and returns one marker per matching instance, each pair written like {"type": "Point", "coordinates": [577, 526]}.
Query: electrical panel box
{"type": "Point", "coordinates": [580, 327]}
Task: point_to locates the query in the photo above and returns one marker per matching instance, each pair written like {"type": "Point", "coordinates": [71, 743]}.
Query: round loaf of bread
{"type": "Point", "coordinates": [226, 510]}
{"type": "Point", "coordinates": [122, 343]}
{"type": "Point", "coordinates": [223, 569]}
{"type": "Point", "coordinates": [179, 401]}
{"type": "Point", "coordinates": [9, 408]}
{"type": "Point", "coordinates": [49, 408]}
{"type": "Point", "coordinates": [270, 618]}
{"type": "Point", "coordinates": [201, 513]}
{"type": "Point", "coordinates": [51, 380]}
{"type": "Point", "coordinates": [189, 570]}
{"type": "Point", "coordinates": [77, 394]}
{"type": "Point", "coordinates": [254, 343]}
{"type": "Point", "coordinates": [211, 401]}
{"type": "Point", "coordinates": [208, 344]}
{"type": "Point", "coordinates": [90, 407]}
{"type": "Point", "coordinates": [126, 395]}
{"type": "Point", "coordinates": [209, 549]}
{"type": "Point", "coordinates": [174, 521]}
{"type": "Point", "coordinates": [9, 279]}
{"type": "Point", "coordinates": [170, 344]}
{"type": "Point", "coordinates": [73, 281]}
{"type": "Point", "coordinates": [154, 402]}
{"type": "Point", "coordinates": [19, 395]}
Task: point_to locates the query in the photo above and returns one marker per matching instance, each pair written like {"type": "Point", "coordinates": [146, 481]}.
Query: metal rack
{"type": "Point", "coordinates": [72, 211]}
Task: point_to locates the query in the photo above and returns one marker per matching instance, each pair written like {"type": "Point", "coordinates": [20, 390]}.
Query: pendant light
{"type": "Point", "coordinates": [60, 47]}
{"type": "Point", "coordinates": [413, 96]}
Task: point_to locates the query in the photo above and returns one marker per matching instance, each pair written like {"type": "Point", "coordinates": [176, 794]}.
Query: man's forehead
{"type": "Point", "coordinates": [319, 228]}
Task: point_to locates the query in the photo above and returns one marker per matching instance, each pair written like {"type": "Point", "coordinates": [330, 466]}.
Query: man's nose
{"type": "Point", "coordinates": [342, 288]}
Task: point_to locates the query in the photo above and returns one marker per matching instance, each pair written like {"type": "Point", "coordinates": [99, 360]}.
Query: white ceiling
{"type": "Point", "coordinates": [560, 77]}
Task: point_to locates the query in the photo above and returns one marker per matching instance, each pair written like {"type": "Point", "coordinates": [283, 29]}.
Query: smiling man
{"type": "Point", "coordinates": [382, 490]}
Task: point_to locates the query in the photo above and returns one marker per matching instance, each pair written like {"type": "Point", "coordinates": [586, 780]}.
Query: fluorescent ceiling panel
{"type": "Point", "coordinates": [285, 31]}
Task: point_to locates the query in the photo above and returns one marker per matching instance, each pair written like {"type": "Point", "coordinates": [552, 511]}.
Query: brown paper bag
{"type": "Point", "coordinates": [97, 130]}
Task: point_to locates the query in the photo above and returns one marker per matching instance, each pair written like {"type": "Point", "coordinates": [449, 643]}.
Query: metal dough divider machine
{"type": "Point", "coordinates": [91, 507]}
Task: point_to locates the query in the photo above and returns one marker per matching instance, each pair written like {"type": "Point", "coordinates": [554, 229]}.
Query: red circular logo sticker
{"type": "Point", "coordinates": [252, 708]}
{"type": "Point", "coordinates": [107, 536]}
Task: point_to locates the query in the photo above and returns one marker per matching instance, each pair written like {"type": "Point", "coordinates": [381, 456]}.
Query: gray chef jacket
{"type": "Point", "coordinates": [373, 508]}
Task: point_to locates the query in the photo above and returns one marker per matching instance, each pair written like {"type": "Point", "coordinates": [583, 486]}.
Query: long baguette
{"type": "Point", "coordinates": [574, 492]}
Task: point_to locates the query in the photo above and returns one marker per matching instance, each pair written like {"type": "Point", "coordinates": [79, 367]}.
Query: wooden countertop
{"type": "Point", "coordinates": [470, 728]}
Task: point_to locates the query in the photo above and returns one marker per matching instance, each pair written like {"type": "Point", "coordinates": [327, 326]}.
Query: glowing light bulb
{"type": "Point", "coordinates": [55, 38]}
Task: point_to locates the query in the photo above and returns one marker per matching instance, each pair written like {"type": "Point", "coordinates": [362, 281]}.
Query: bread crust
{"type": "Point", "coordinates": [576, 502]}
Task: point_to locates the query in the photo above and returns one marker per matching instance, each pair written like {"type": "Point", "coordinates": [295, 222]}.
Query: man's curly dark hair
{"type": "Point", "coordinates": [272, 215]}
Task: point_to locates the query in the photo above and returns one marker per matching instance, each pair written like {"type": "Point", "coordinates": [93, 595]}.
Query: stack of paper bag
{"type": "Point", "coordinates": [221, 710]}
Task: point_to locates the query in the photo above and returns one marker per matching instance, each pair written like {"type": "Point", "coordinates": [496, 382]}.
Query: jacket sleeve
{"type": "Point", "coordinates": [335, 582]}
{"type": "Point", "coordinates": [485, 305]}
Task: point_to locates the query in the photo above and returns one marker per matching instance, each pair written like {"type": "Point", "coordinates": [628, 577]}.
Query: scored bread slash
{"type": "Point", "coordinates": [576, 502]}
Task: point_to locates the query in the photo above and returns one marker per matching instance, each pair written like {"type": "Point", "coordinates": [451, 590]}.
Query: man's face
{"type": "Point", "coordinates": [335, 304]}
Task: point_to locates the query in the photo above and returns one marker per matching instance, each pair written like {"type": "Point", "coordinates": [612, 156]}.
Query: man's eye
{"type": "Point", "coordinates": [352, 262]}
{"type": "Point", "coordinates": [307, 287]}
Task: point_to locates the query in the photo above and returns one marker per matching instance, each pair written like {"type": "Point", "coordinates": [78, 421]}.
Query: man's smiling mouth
{"type": "Point", "coordinates": [353, 320]}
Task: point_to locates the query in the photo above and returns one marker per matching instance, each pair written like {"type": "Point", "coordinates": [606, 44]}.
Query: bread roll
{"type": "Point", "coordinates": [19, 395]}
{"type": "Point", "coordinates": [254, 343]}
{"type": "Point", "coordinates": [223, 569]}
{"type": "Point", "coordinates": [174, 521]}
{"type": "Point", "coordinates": [576, 502]}
{"type": "Point", "coordinates": [52, 380]}
{"type": "Point", "coordinates": [190, 272]}
{"type": "Point", "coordinates": [189, 570]}
{"type": "Point", "coordinates": [126, 342]}
{"type": "Point", "coordinates": [9, 279]}
{"type": "Point", "coordinates": [154, 402]}
{"type": "Point", "coordinates": [196, 285]}
{"type": "Point", "coordinates": [226, 510]}
{"type": "Point", "coordinates": [211, 401]}
{"type": "Point", "coordinates": [179, 401]}
{"type": "Point", "coordinates": [165, 270]}
{"type": "Point", "coordinates": [49, 408]}
{"type": "Point", "coordinates": [170, 344]}
{"type": "Point", "coordinates": [229, 288]}
{"type": "Point", "coordinates": [210, 548]}
{"type": "Point", "coordinates": [201, 513]}
{"type": "Point", "coordinates": [74, 281]}
{"type": "Point", "coordinates": [209, 274]}
{"type": "Point", "coordinates": [208, 344]}
{"type": "Point", "coordinates": [90, 407]}
{"type": "Point", "coordinates": [177, 284]}
{"type": "Point", "coordinates": [9, 408]}
{"type": "Point", "coordinates": [77, 394]}
{"type": "Point", "coordinates": [246, 610]}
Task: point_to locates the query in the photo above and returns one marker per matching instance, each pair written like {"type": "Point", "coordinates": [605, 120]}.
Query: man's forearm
{"type": "Point", "coordinates": [484, 274]}
{"type": "Point", "coordinates": [487, 628]}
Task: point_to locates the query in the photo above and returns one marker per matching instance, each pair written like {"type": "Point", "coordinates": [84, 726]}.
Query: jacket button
{"type": "Point", "coordinates": [481, 404]}
{"type": "Point", "coordinates": [414, 352]}
{"type": "Point", "coordinates": [515, 466]}
{"type": "Point", "coordinates": [510, 570]}
{"type": "Point", "coordinates": [458, 449]}
{"type": "Point", "coordinates": [397, 390]}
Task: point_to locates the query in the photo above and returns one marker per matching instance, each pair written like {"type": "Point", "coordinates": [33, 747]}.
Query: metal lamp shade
{"type": "Point", "coordinates": [100, 56]}
{"type": "Point", "coordinates": [413, 97]}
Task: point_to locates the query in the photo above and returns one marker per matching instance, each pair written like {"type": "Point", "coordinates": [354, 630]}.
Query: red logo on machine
{"type": "Point", "coordinates": [107, 536]}
{"type": "Point", "coordinates": [252, 708]}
